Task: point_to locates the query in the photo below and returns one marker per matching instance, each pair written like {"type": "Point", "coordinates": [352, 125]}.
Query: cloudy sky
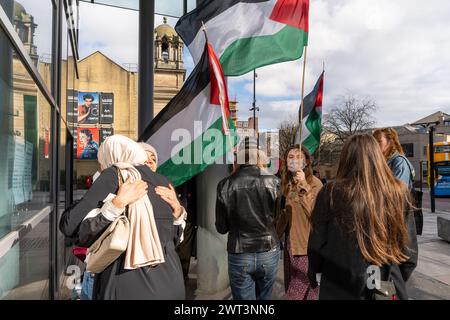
{"type": "Point", "coordinates": [395, 52]}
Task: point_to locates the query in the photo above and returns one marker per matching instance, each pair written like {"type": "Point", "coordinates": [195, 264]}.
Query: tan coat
{"type": "Point", "coordinates": [300, 202]}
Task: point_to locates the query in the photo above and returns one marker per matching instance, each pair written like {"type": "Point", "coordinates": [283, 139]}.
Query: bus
{"type": "Point", "coordinates": [442, 169]}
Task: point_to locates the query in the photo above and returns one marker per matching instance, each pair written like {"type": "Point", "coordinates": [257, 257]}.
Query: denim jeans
{"type": "Point", "coordinates": [252, 275]}
{"type": "Point", "coordinates": [87, 286]}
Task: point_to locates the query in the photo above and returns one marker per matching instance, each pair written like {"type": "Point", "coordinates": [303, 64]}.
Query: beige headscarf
{"type": "Point", "coordinates": [144, 247]}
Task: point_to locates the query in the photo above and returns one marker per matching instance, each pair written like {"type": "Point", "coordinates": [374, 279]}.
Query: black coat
{"type": "Point", "coordinates": [164, 281]}
{"type": "Point", "coordinates": [335, 254]}
{"type": "Point", "coordinates": [246, 207]}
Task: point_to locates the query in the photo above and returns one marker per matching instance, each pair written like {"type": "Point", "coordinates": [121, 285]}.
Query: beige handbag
{"type": "Point", "coordinates": [111, 244]}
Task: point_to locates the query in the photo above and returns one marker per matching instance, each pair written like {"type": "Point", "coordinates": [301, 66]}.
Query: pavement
{"type": "Point", "coordinates": [431, 279]}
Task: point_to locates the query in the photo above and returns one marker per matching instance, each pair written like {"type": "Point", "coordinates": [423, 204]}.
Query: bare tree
{"type": "Point", "coordinates": [287, 131]}
{"type": "Point", "coordinates": [351, 115]}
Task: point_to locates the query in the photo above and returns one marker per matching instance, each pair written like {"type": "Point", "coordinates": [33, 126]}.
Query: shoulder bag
{"type": "Point", "coordinates": [111, 244]}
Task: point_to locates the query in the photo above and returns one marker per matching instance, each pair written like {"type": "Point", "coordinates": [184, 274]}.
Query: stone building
{"type": "Point", "coordinates": [99, 73]}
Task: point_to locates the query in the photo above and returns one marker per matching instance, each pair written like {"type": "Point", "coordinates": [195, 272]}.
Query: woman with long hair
{"type": "Point", "coordinates": [300, 188]}
{"type": "Point", "coordinates": [362, 223]}
{"type": "Point", "coordinates": [389, 143]}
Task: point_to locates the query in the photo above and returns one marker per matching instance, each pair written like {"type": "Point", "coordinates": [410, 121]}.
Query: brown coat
{"type": "Point", "coordinates": [295, 218]}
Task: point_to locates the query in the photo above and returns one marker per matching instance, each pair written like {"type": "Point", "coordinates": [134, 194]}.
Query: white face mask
{"type": "Point", "coordinates": [295, 165]}
{"type": "Point", "coordinates": [95, 176]}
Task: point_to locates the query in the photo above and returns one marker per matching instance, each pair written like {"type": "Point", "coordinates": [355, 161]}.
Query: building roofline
{"type": "Point", "coordinates": [104, 55]}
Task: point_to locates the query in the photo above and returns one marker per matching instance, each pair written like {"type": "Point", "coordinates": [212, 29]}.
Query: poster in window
{"type": "Point", "coordinates": [75, 142]}
{"type": "Point", "coordinates": [88, 107]}
{"type": "Point", "coordinates": [105, 133]}
{"type": "Point", "coordinates": [46, 143]}
{"type": "Point", "coordinates": [72, 106]}
{"type": "Point", "coordinates": [87, 143]}
{"type": "Point", "coordinates": [107, 108]}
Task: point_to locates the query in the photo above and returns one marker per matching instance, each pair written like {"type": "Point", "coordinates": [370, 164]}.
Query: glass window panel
{"type": "Point", "coordinates": [25, 168]}
{"type": "Point", "coordinates": [32, 20]}
{"type": "Point", "coordinates": [162, 7]}
{"type": "Point", "coordinates": [129, 4]}
{"type": "Point", "coordinates": [442, 149]}
{"type": "Point", "coordinates": [192, 4]}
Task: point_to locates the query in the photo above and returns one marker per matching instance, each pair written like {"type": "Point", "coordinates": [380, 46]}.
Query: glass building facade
{"type": "Point", "coordinates": [38, 74]}
{"type": "Point", "coordinates": [35, 164]}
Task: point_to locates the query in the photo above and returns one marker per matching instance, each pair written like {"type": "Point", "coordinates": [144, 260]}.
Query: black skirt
{"type": "Point", "coordinates": [163, 282]}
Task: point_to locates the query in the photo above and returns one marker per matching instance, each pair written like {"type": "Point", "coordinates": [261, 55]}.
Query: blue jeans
{"type": "Point", "coordinates": [87, 286]}
{"type": "Point", "coordinates": [252, 275]}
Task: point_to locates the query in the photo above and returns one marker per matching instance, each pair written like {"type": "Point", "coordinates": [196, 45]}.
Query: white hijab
{"type": "Point", "coordinates": [144, 246]}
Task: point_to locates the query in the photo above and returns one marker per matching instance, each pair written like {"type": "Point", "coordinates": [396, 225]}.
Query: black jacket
{"type": "Point", "coordinates": [334, 253]}
{"type": "Point", "coordinates": [246, 207]}
{"type": "Point", "coordinates": [165, 281]}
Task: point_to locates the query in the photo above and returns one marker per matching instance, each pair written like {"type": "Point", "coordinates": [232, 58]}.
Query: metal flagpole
{"type": "Point", "coordinates": [303, 95]}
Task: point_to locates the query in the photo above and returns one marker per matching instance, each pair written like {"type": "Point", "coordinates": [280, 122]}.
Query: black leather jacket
{"type": "Point", "coordinates": [246, 207]}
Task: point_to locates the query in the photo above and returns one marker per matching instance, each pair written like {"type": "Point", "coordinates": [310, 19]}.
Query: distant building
{"type": "Point", "coordinates": [246, 128]}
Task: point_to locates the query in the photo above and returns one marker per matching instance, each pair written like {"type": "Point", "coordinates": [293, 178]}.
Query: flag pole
{"type": "Point", "coordinates": [303, 95]}
{"type": "Point", "coordinates": [318, 156]}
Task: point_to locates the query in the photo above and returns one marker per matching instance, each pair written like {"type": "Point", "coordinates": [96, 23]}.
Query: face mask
{"type": "Point", "coordinates": [295, 165]}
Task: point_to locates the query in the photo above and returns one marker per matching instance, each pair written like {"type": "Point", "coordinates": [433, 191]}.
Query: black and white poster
{"type": "Point", "coordinates": [107, 108]}
{"type": "Point", "coordinates": [72, 106]}
{"type": "Point", "coordinates": [105, 133]}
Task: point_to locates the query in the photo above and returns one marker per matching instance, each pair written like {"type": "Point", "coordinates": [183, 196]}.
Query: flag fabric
{"type": "Point", "coordinates": [190, 119]}
{"type": "Point", "coordinates": [312, 117]}
{"type": "Point", "coordinates": [247, 34]}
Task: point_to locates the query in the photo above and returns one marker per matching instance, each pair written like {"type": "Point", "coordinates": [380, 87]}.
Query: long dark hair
{"type": "Point", "coordinates": [374, 201]}
{"type": "Point", "coordinates": [286, 175]}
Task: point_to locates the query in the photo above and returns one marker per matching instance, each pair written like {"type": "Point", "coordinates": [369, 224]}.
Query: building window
{"type": "Point", "coordinates": [425, 151]}
{"type": "Point", "coordinates": [165, 50]}
{"type": "Point", "coordinates": [408, 148]}
{"type": "Point", "coordinates": [25, 169]}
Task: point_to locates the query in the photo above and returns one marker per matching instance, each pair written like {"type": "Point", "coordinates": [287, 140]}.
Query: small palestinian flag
{"type": "Point", "coordinates": [247, 34]}
{"type": "Point", "coordinates": [193, 130]}
{"type": "Point", "coordinates": [312, 117]}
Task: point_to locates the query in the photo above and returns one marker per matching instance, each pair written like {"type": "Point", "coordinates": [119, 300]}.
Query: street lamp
{"type": "Point", "coordinates": [254, 108]}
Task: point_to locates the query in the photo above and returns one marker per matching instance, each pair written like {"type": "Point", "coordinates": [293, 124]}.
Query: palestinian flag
{"type": "Point", "coordinates": [312, 117]}
{"type": "Point", "coordinates": [193, 130]}
{"type": "Point", "coordinates": [247, 34]}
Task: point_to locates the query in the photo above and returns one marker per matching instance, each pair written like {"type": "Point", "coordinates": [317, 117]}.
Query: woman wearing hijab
{"type": "Point", "coordinates": [166, 193]}
{"type": "Point", "coordinates": [150, 267]}
{"type": "Point", "coordinates": [152, 155]}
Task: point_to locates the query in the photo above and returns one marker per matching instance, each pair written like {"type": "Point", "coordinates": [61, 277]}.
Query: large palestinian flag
{"type": "Point", "coordinates": [193, 130]}
{"type": "Point", "coordinates": [247, 34]}
{"type": "Point", "coordinates": [312, 117]}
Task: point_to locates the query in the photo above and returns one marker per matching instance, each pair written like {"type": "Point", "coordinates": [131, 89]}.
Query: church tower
{"type": "Point", "coordinates": [169, 67]}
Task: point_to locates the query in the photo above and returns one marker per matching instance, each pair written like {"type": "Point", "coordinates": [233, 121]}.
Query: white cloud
{"type": "Point", "coordinates": [113, 31]}
{"type": "Point", "coordinates": [398, 53]}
